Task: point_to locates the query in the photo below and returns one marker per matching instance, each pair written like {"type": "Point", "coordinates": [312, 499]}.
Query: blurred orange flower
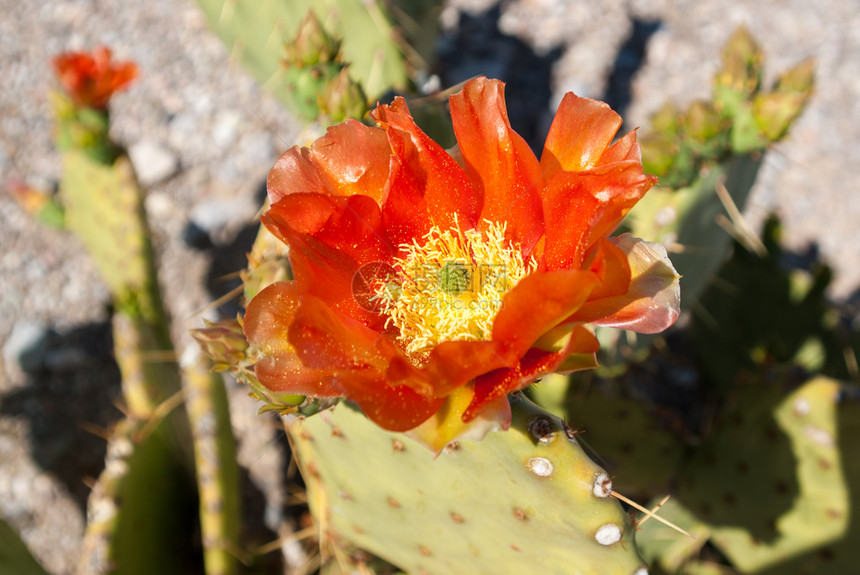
{"type": "Point", "coordinates": [430, 284]}
{"type": "Point", "coordinates": [91, 79]}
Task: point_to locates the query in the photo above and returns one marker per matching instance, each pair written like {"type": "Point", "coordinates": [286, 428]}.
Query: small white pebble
{"type": "Point", "coordinates": [608, 534]}
{"type": "Point", "coordinates": [540, 466]}
{"type": "Point", "coordinates": [602, 485]}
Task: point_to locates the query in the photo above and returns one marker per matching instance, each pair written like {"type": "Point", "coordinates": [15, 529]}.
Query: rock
{"type": "Point", "coordinates": [25, 348]}
{"type": "Point", "coordinates": [153, 162]}
{"type": "Point", "coordinates": [214, 221]}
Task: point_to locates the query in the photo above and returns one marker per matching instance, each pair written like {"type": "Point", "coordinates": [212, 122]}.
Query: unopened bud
{"type": "Point", "coordinates": [666, 120]}
{"type": "Point", "coordinates": [702, 121]}
{"type": "Point", "coordinates": [343, 98]}
{"type": "Point", "coordinates": [775, 111]}
{"type": "Point", "coordinates": [311, 45]}
{"type": "Point", "coordinates": [742, 64]}
{"type": "Point", "coordinates": [799, 79]}
{"type": "Point", "coordinates": [224, 342]}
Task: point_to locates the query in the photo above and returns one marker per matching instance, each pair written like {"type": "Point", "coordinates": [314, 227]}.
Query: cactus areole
{"type": "Point", "coordinates": [429, 284]}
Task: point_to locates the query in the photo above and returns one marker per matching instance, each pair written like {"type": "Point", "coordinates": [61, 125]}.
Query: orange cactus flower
{"type": "Point", "coordinates": [91, 79]}
{"type": "Point", "coordinates": [430, 284]}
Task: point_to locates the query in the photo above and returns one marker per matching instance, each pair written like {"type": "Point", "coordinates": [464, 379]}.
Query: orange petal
{"type": "Point", "coordinates": [325, 339]}
{"type": "Point", "coordinates": [294, 173]}
{"type": "Point", "coordinates": [652, 302]}
{"type": "Point", "coordinates": [454, 363]}
{"type": "Point", "coordinates": [582, 207]}
{"type": "Point", "coordinates": [266, 325]}
{"type": "Point", "coordinates": [395, 408]}
{"type": "Point", "coordinates": [539, 303]}
{"type": "Point", "coordinates": [353, 159]}
{"type": "Point", "coordinates": [610, 264]}
{"type": "Point", "coordinates": [349, 159]}
{"type": "Point", "coordinates": [569, 208]}
{"type": "Point", "coordinates": [330, 238]}
{"type": "Point", "coordinates": [499, 162]}
{"type": "Point", "coordinates": [579, 135]}
{"type": "Point", "coordinates": [426, 175]}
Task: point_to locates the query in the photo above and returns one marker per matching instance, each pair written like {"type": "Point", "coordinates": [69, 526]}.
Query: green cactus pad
{"type": "Point", "coordinates": [527, 500]}
{"type": "Point", "coordinates": [104, 208]}
{"type": "Point", "coordinates": [14, 555]}
{"type": "Point", "coordinates": [257, 32]}
{"type": "Point", "coordinates": [642, 457]}
{"type": "Point", "coordinates": [772, 483]}
{"type": "Point", "coordinates": [137, 513]}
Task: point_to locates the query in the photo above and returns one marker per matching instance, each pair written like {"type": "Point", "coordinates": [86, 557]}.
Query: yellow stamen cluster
{"type": "Point", "coordinates": [451, 286]}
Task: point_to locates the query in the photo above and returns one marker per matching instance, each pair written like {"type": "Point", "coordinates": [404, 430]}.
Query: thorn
{"type": "Point", "coordinates": [300, 535]}
{"type": "Point", "coordinates": [161, 411]}
{"type": "Point", "coordinates": [740, 228]}
{"type": "Point", "coordinates": [650, 513]}
{"type": "Point", "coordinates": [90, 482]}
{"type": "Point", "coordinates": [97, 430]}
{"type": "Point", "coordinates": [215, 304]}
{"type": "Point", "coordinates": [851, 363]}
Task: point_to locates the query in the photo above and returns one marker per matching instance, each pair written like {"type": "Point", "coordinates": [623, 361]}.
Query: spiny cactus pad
{"type": "Point", "coordinates": [772, 484]}
{"type": "Point", "coordinates": [527, 500]}
{"type": "Point", "coordinates": [258, 31]}
{"type": "Point", "coordinates": [104, 208]}
{"type": "Point", "coordinates": [643, 457]}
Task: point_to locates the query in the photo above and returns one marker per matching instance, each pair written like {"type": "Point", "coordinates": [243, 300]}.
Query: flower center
{"type": "Point", "coordinates": [450, 286]}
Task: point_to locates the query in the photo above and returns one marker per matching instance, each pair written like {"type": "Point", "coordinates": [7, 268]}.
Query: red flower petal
{"type": "Point", "coordinates": [427, 186]}
{"type": "Point", "coordinates": [395, 408]}
{"type": "Point", "coordinates": [498, 161]}
{"type": "Point", "coordinates": [330, 238]}
{"type": "Point", "coordinates": [581, 208]}
{"type": "Point", "coordinates": [91, 79]}
{"type": "Point", "coordinates": [535, 363]}
{"type": "Point", "coordinates": [349, 159]}
{"type": "Point", "coordinates": [651, 303]}
{"type": "Point", "coordinates": [539, 303]}
{"type": "Point", "coordinates": [353, 159]}
{"type": "Point", "coordinates": [580, 133]}
{"type": "Point", "coordinates": [266, 325]}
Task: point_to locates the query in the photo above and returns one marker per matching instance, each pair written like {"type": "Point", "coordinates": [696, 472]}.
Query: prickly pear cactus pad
{"type": "Point", "coordinates": [259, 35]}
{"type": "Point", "coordinates": [772, 484]}
{"type": "Point", "coordinates": [523, 501]}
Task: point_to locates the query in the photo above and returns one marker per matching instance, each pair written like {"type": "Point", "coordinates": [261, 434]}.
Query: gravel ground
{"type": "Point", "coordinates": [216, 133]}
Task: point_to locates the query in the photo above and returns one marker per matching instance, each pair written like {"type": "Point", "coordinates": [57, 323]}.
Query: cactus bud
{"type": "Point", "coordinates": [343, 98]}
{"type": "Point", "coordinates": [742, 64]}
{"type": "Point", "coordinates": [224, 342]}
{"type": "Point", "coordinates": [311, 45]}
{"type": "Point", "coordinates": [666, 120]}
{"type": "Point", "coordinates": [775, 111]}
{"type": "Point", "coordinates": [658, 154]}
{"type": "Point", "coordinates": [702, 121]}
{"type": "Point", "coordinates": [799, 79]}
